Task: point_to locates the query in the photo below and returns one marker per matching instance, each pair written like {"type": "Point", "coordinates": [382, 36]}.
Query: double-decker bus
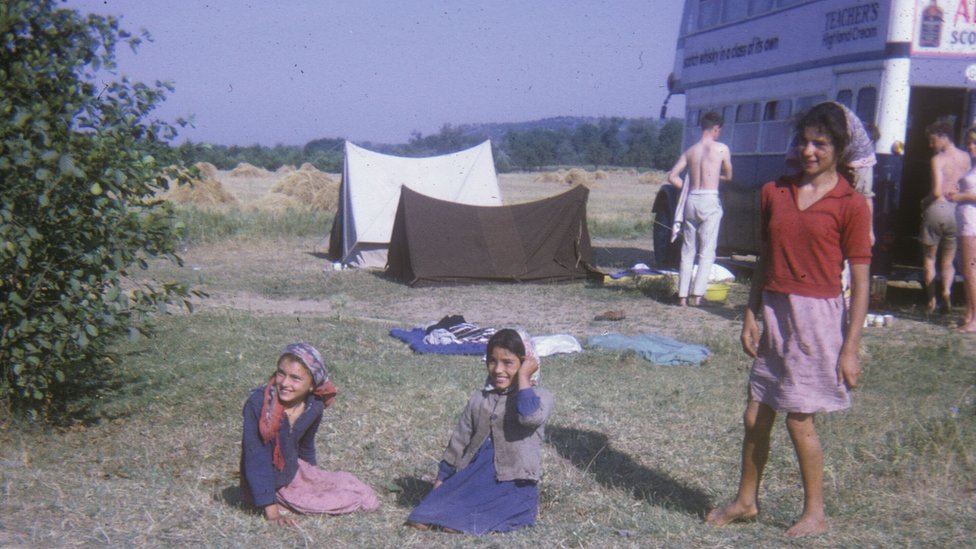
{"type": "Point", "coordinates": [899, 64]}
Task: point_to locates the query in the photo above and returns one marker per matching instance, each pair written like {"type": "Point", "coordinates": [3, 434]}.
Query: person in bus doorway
{"type": "Point", "coordinates": [806, 361]}
{"type": "Point", "coordinates": [708, 163]}
{"type": "Point", "coordinates": [938, 232]}
{"type": "Point", "coordinates": [965, 201]}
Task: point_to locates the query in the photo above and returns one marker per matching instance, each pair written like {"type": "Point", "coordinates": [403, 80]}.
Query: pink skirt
{"type": "Point", "coordinates": [316, 491]}
{"type": "Point", "coordinates": [796, 370]}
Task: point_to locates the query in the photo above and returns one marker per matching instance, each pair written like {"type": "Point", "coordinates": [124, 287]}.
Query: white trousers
{"type": "Point", "coordinates": [703, 215]}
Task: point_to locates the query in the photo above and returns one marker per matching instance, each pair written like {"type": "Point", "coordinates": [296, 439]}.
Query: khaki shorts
{"type": "Point", "coordinates": [939, 224]}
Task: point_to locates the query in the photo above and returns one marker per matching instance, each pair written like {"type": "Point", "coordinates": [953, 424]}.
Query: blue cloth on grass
{"type": "Point", "coordinates": [660, 350]}
{"type": "Point", "coordinates": [415, 340]}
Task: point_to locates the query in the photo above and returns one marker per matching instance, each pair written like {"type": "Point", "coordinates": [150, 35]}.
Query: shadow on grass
{"type": "Point", "coordinates": [231, 496]}
{"type": "Point", "coordinates": [412, 490]}
{"type": "Point", "coordinates": [621, 257]}
{"type": "Point", "coordinates": [591, 452]}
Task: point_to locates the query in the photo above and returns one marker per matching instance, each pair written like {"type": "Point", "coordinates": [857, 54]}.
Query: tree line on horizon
{"type": "Point", "coordinates": [642, 143]}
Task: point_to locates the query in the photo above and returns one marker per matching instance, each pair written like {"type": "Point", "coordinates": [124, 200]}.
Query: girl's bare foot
{"type": "Point", "coordinates": [720, 516]}
{"type": "Point", "coordinates": [808, 526]}
{"type": "Point", "coordinates": [968, 328]}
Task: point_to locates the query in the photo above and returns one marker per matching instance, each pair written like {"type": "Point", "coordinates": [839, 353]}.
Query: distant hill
{"type": "Point", "coordinates": [497, 130]}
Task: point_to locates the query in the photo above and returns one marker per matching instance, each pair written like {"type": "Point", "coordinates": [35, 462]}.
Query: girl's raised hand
{"type": "Point", "coordinates": [529, 366]}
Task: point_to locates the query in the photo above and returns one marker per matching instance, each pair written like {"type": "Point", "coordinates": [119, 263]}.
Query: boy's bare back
{"type": "Point", "coordinates": [706, 160]}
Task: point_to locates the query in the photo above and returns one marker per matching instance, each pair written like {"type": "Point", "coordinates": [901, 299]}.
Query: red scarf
{"type": "Point", "coordinates": [272, 413]}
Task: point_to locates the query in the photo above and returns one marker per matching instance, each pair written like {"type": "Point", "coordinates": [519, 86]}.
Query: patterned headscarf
{"type": "Point", "coordinates": [272, 411]}
{"type": "Point", "coordinates": [860, 148]}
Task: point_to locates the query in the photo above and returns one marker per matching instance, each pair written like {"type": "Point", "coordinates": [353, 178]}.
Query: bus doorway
{"type": "Point", "coordinates": [925, 106]}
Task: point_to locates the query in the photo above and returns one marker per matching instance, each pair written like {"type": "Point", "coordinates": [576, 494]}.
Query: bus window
{"type": "Point", "coordinates": [709, 12]}
{"type": "Point", "coordinates": [846, 98]}
{"type": "Point", "coordinates": [693, 117]}
{"type": "Point", "coordinates": [803, 104]}
{"type": "Point", "coordinates": [776, 126]}
{"type": "Point", "coordinates": [734, 11]}
{"type": "Point", "coordinates": [746, 135]}
{"type": "Point", "coordinates": [867, 99]}
{"type": "Point", "coordinates": [760, 6]}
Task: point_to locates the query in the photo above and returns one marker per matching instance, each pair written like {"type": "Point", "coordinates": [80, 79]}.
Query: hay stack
{"type": "Point", "coordinates": [557, 176]}
{"type": "Point", "coordinates": [577, 176]}
{"type": "Point", "coordinates": [202, 192]}
{"type": "Point", "coordinates": [284, 169]}
{"type": "Point", "coordinates": [247, 170]}
{"type": "Point", "coordinates": [600, 174]}
{"type": "Point", "coordinates": [308, 167]}
{"type": "Point", "coordinates": [653, 177]}
{"type": "Point", "coordinates": [207, 170]}
{"type": "Point", "coordinates": [314, 189]}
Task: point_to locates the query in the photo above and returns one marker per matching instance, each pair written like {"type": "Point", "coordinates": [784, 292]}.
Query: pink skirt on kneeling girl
{"type": "Point", "coordinates": [316, 491]}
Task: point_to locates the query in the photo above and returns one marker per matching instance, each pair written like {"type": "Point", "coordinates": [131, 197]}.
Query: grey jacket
{"type": "Point", "coordinates": [517, 439]}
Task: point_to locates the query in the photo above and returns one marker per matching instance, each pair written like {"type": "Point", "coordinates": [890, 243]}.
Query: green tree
{"type": "Point", "coordinates": [668, 144]}
{"type": "Point", "coordinates": [80, 164]}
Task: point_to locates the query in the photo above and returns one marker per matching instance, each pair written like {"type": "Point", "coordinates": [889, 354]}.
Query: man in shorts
{"type": "Point", "coordinates": [708, 163]}
{"type": "Point", "coordinates": [938, 231]}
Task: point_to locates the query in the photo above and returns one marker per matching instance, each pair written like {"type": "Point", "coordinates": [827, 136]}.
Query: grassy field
{"type": "Point", "coordinates": [635, 455]}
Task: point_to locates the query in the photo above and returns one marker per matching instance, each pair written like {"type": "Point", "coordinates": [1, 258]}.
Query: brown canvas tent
{"type": "Point", "coordinates": [435, 240]}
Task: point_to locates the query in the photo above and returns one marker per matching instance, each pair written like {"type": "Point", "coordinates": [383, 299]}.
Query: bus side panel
{"type": "Point", "coordinates": [740, 232]}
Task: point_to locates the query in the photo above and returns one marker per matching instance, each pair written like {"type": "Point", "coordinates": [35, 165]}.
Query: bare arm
{"type": "Point", "coordinates": [750, 322]}
{"type": "Point", "coordinates": [674, 176]}
{"type": "Point", "coordinates": [848, 365]}
{"type": "Point", "coordinates": [936, 178]}
{"type": "Point", "coordinates": [726, 174]}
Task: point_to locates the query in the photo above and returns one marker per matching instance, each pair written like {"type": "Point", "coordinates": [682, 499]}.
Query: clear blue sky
{"type": "Point", "coordinates": [289, 71]}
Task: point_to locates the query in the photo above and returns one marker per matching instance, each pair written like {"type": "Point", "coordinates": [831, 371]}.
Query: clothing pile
{"type": "Point", "coordinates": [453, 329]}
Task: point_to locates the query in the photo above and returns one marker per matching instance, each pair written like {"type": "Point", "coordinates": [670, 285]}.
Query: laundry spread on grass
{"type": "Point", "coordinates": [451, 335]}
{"type": "Point", "coordinates": [658, 349]}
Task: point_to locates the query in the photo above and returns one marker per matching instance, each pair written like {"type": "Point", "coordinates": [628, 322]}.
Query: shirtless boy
{"type": "Point", "coordinates": [708, 163]}
{"type": "Point", "coordinates": [949, 164]}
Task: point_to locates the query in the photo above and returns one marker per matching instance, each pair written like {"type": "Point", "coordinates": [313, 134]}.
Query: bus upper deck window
{"type": "Point", "coordinates": [760, 6]}
{"type": "Point", "coordinates": [709, 13]}
{"type": "Point", "coordinates": [734, 11]}
{"type": "Point", "coordinates": [846, 98]}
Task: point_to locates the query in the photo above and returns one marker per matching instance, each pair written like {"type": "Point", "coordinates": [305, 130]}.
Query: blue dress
{"type": "Point", "coordinates": [473, 501]}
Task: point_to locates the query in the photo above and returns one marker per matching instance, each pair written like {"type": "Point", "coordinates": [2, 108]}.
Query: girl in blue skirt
{"type": "Point", "coordinates": [488, 478]}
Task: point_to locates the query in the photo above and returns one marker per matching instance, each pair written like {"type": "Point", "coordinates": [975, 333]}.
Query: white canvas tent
{"type": "Point", "coordinates": [370, 193]}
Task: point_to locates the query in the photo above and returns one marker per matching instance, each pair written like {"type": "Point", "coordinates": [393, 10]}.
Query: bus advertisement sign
{"type": "Point", "coordinates": [945, 27]}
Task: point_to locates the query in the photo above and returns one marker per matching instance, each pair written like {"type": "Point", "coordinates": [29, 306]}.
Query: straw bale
{"type": "Point", "coordinates": [577, 176]}
{"type": "Point", "coordinates": [315, 189]}
{"type": "Point", "coordinates": [552, 177]}
{"type": "Point", "coordinates": [600, 174]}
{"type": "Point", "coordinates": [247, 170]}
{"type": "Point", "coordinates": [201, 192]}
{"type": "Point", "coordinates": [207, 170]}
{"type": "Point", "coordinates": [653, 177]}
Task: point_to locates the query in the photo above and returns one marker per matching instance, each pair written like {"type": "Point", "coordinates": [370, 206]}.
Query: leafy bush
{"type": "Point", "coordinates": [80, 162]}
